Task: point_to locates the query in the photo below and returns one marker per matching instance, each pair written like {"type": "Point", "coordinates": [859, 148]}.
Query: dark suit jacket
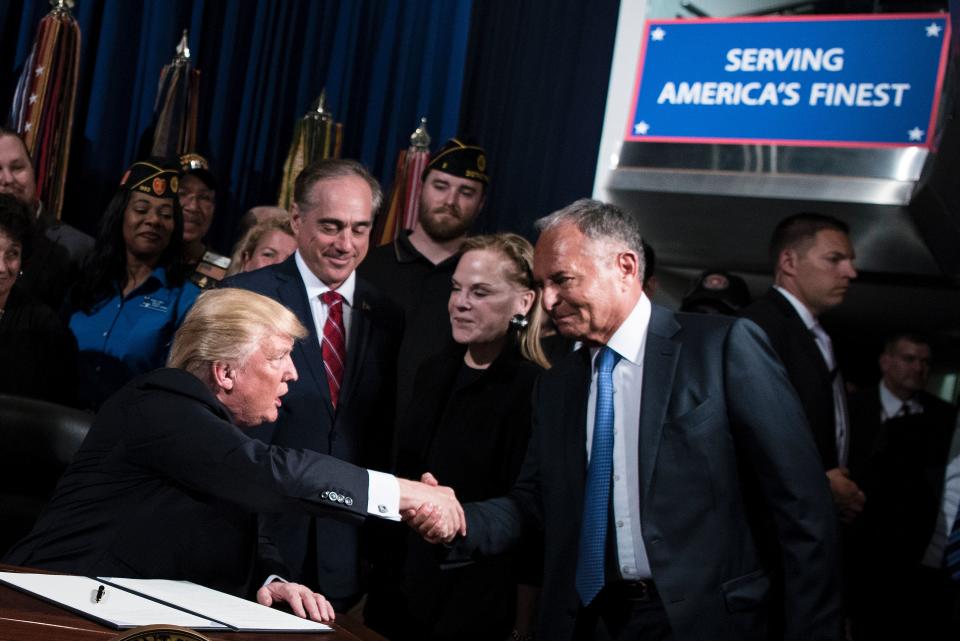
{"type": "Point", "coordinates": [166, 487]}
{"type": "Point", "coordinates": [902, 477]}
{"type": "Point", "coordinates": [867, 435]}
{"type": "Point", "coordinates": [807, 371]}
{"type": "Point", "coordinates": [716, 412]}
{"type": "Point", "coordinates": [322, 552]}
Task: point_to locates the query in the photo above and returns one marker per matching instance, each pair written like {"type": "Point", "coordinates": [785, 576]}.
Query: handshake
{"type": "Point", "coordinates": [431, 509]}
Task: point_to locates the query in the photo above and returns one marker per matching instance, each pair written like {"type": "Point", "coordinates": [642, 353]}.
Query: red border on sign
{"type": "Point", "coordinates": [931, 126]}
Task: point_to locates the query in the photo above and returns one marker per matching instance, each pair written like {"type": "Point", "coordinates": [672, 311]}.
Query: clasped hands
{"type": "Point", "coordinates": [431, 509]}
{"type": "Point", "coordinates": [847, 496]}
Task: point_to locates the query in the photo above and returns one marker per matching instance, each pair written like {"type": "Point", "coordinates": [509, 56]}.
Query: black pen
{"type": "Point", "coordinates": [100, 592]}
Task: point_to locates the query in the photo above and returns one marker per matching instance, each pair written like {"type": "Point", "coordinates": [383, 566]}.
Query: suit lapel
{"type": "Point", "coordinates": [576, 396]}
{"type": "Point", "coordinates": [361, 324]}
{"type": "Point", "coordinates": [659, 368]}
{"type": "Point", "coordinates": [292, 293]}
{"type": "Point", "coordinates": [808, 341]}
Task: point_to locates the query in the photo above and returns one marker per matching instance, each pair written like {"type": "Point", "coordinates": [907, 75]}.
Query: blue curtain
{"type": "Point", "coordinates": [534, 95]}
{"type": "Point", "coordinates": [384, 64]}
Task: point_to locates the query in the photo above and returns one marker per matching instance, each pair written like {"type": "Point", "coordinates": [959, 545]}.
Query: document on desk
{"type": "Point", "coordinates": [240, 614]}
{"type": "Point", "coordinates": [105, 604]}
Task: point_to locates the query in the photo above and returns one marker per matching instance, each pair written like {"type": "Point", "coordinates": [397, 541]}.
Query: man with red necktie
{"type": "Point", "coordinates": [342, 403]}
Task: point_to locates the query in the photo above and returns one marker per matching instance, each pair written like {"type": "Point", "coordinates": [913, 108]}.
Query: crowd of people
{"type": "Point", "coordinates": [596, 466]}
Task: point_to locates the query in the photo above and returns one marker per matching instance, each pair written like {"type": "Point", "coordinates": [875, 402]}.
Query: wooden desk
{"type": "Point", "coordinates": [26, 618]}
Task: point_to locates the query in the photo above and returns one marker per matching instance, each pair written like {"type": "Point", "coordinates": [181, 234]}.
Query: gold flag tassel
{"type": "Point", "coordinates": [315, 136]}
{"type": "Point", "coordinates": [42, 110]}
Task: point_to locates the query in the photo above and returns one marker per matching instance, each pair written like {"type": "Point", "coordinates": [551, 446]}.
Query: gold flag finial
{"type": "Point", "coordinates": [183, 50]}
{"type": "Point", "coordinates": [420, 138]}
{"type": "Point", "coordinates": [318, 111]}
{"type": "Point", "coordinates": [62, 6]}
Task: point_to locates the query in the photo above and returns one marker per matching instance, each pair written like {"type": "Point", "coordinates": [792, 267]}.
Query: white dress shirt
{"type": "Point", "coordinates": [949, 504]}
{"type": "Point", "coordinates": [825, 345]}
{"type": "Point", "coordinates": [629, 342]}
{"type": "Point", "coordinates": [891, 406]}
{"type": "Point", "coordinates": [383, 490]}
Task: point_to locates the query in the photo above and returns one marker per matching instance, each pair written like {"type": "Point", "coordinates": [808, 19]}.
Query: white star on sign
{"type": "Point", "coordinates": [39, 71]}
{"type": "Point", "coordinates": [933, 30]}
{"type": "Point", "coordinates": [33, 98]}
{"type": "Point", "coordinates": [916, 133]}
{"type": "Point", "coordinates": [641, 128]}
{"type": "Point", "coordinates": [658, 34]}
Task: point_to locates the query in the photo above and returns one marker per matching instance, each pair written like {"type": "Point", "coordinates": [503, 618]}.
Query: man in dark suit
{"type": "Point", "coordinates": [905, 370]}
{"type": "Point", "coordinates": [904, 456]}
{"type": "Point", "coordinates": [813, 266]}
{"type": "Point", "coordinates": [166, 485]}
{"type": "Point", "coordinates": [644, 513]}
{"type": "Point", "coordinates": [342, 404]}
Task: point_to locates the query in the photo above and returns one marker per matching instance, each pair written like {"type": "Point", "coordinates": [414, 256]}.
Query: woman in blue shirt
{"type": "Point", "coordinates": [133, 291]}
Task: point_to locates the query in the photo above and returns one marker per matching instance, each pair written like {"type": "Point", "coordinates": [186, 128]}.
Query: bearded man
{"type": "Point", "coordinates": [415, 270]}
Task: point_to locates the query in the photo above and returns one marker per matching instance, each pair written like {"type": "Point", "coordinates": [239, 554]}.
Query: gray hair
{"type": "Point", "coordinates": [599, 221]}
{"type": "Point", "coordinates": [330, 168]}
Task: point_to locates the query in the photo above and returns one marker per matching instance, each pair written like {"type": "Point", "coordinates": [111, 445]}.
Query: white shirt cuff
{"type": "Point", "coordinates": [272, 578]}
{"type": "Point", "coordinates": [383, 496]}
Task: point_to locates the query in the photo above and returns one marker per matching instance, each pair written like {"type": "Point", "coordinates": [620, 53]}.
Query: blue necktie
{"type": "Point", "coordinates": [951, 552]}
{"type": "Point", "coordinates": [596, 496]}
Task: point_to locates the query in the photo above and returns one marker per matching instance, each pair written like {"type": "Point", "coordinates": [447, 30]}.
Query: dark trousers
{"type": "Point", "coordinates": [616, 614]}
{"type": "Point", "coordinates": [920, 603]}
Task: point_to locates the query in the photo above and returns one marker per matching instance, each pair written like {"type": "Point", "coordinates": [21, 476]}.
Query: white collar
{"type": "Point", "coordinates": [805, 315]}
{"type": "Point", "coordinates": [315, 286]}
{"type": "Point", "coordinates": [629, 339]}
{"type": "Point", "coordinates": [891, 404]}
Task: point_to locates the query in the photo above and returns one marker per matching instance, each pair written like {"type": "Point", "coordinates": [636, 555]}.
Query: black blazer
{"type": "Point", "coordinates": [717, 414]}
{"type": "Point", "coordinates": [166, 487]}
{"type": "Point", "coordinates": [903, 480]}
{"type": "Point", "coordinates": [867, 434]}
{"type": "Point", "coordinates": [322, 552]}
{"type": "Point", "coordinates": [472, 437]}
{"type": "Point", "coordinates": [798, 351]}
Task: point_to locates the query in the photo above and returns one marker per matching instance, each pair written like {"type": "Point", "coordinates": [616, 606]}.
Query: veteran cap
{"type": "Point", "coordinates": [157, 177]}
{"type": "Point", "coordinates": [192, 164]}
{"type": "Point", "coordinates": [460, 159]}
{"type": "Point", "coordinates": [717, 290]}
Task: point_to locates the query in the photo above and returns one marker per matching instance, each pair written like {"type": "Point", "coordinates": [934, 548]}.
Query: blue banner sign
{"type": "Point", "coordinates": [848, 81]}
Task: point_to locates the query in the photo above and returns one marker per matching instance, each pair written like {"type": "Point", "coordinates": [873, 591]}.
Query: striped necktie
{"type": "Point", "coordinates": [596, 496]}
{"type": "Point", "coordinates": [334, 343]}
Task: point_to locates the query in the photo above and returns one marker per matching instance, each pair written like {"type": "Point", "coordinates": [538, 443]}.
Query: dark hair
{"type": "Point", "coordinates": [794, 231]}
{"type": "Point", "coordinates": [650, 260]}
{"type": "Point", "coordinates": [107, 263]}
{"type": "Point", "coordinates": [6, 131]}
{"type": "Point", "coordinates": [913, 337]}
{"type": "Point", "coordinates": [327, 169]}
{"type": "Point", "coordinates": [15, 222]}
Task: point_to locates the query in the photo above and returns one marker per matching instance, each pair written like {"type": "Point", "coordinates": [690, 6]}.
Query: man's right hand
{"type": "Point", "coordinates": [848, 498]}
{"type": "Point", "coordinates": [431, 509]}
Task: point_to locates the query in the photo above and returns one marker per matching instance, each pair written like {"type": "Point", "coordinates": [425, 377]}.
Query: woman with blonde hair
{"type": "Point", "coordinates": [468, 426]}
{"type": "Point", "coordinates": [268, 242]}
